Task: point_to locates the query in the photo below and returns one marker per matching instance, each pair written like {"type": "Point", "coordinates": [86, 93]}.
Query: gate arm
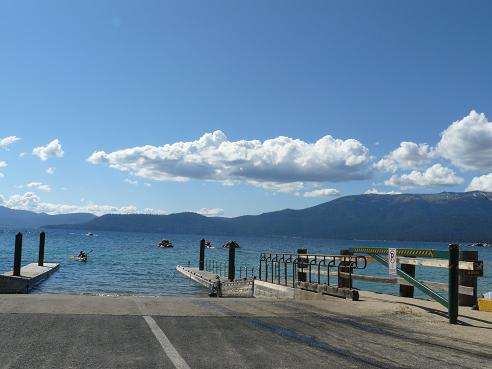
{"type": "Point", "coordinates": [422, 287]}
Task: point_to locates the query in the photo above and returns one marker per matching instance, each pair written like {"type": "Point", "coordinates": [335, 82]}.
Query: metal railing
{"type": "Point", "coordinates": [220, 267]}
{"type": "Point", "coordinates": [288, 268]}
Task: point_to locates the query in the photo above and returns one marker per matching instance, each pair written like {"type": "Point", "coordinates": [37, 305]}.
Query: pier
{"type": "Point", "coordinates": [23, 278]}
{"type": "Point", "coordinates": [30, 276]}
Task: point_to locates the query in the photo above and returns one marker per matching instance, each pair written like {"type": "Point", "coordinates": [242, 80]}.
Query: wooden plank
{"type": "Point", "coordinates": [464, 290]}
{"type": "Point", "coordinates": [436, 263]}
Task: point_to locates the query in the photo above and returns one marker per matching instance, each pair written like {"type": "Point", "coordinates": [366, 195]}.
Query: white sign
{"type": "Point", "coordinates": [392, 261]}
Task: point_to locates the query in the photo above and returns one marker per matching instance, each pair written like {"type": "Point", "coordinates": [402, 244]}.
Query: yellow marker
{"type": "Point", "coordinates": [485, 305]}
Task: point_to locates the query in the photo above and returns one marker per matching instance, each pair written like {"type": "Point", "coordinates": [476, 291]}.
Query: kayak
{"type": "Point", "coordinates": [78, 258]}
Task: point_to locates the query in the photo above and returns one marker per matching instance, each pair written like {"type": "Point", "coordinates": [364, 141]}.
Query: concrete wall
{"type": "Point", "coordinates": [10, 284]}
{"type": "Point", "coordinates": [270, 290]}
{"type": "Point", "coordinates": [266, 289]}
{"type": "Point", "coordinates": [237, 289]}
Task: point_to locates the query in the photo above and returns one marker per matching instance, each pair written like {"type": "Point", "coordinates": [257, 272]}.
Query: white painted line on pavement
{"type": "Point", "coordinates": [167, 346]}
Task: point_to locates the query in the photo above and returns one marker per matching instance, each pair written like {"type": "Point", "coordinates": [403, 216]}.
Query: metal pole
{"type": "Point", "coordinates": [232, 261]}
{"type": "Point", "coordinates": [454, 255]}
{"type": "Point", "coordinates": [17, 254]}
{"type": "Point", "coordinates": [42, 238]}
{"type": "Point", "coordinates": [202, 254]}
{"type": "Point", "coordinates": [301, 264]}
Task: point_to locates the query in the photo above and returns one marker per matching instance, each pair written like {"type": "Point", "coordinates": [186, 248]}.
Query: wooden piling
{"type": "Point", "coordinates": [232, 261]}
{"type": "Point", "coordinates": [345, 268]}
{"type": "Point", "coordinates": [42, 238]}
{"type": "Point", "coordinates": [465, 279]}
{"type": "Point", "coordinates": [201, 263]}
{"type": "Point", "coordinates": [407, 291]}
{"type": "Point", "coordinates": [17, 254]}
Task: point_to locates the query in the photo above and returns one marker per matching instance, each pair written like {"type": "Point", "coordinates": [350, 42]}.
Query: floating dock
{"type": "Point", "coordinates": [30, 275]}
{"type": "Point", "coordinates": [237, 288]}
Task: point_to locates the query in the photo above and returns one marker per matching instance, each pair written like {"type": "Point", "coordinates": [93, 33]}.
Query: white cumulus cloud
{"type": "Point", "coordinates": [50, 171]}
{"type": "Point", "coordinates": [481, 183]}
{"type": "Point", "coordinates": [31, 201]}
{"type": "Point", "coordinates": [130, 182]}
{"type": "Point", "coordinates": [409, 155]}
{"type": "Point", "coordinates": [7, 141]}
{"type": "Point", "coordinates": [276, 186]}
{"type": "Point", "coordinates": [322, 192]}
{"type": "Point", "coordinates": [2, 165]}
{"type": "Point", "coordinates": [51, 150]}
{"type": "Point", "coordinates": [152, 211]}
{"type": "Point", "coordinates": [211, 212]}
{"type": "Point", "coordinates": [213, 157]}
{"type": "Point", "coordinates": [437, 175]}
{"type": "Point", "coordinates": [375, 191]}
{"type": "Point", "coordinates": [467, 143]}
{"type": "Point", "coordinates": [39, 186]}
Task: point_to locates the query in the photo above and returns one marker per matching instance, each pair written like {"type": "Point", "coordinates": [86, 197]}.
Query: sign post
{"type": "Point", "coordinates": [392, 261]}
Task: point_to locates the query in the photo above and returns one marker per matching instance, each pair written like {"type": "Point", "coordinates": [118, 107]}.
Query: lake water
{"type": "Point", "coordinates": [125, 263]}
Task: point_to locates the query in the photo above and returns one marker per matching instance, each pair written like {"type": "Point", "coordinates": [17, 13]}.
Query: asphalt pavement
{"type": "Point", "coordinates": [62, 331]}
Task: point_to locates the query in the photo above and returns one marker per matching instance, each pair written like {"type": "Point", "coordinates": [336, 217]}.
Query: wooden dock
{"type": "Point", "coordinates": [30, 275]}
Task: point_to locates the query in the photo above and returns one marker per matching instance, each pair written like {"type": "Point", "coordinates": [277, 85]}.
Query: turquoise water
{"type": "Point", "coordinates": [126, 263]}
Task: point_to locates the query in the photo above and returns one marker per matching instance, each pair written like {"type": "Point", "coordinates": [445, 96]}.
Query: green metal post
{"type": "Point", "coordinates": [454, 256]}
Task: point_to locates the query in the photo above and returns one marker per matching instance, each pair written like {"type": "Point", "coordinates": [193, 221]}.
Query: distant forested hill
{"type": "Point", "coordinates": [413, 217]}
{"type": "Point", "coordinates": [29, 219]}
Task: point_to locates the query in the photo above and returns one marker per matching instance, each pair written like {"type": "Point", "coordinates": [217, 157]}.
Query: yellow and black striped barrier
{"type": "Point", "coordinates": [403, 252]}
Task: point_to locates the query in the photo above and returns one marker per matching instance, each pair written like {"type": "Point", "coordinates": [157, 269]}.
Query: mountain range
{"type": "Point", "coordinates": [29, 219]}
{"type": "Point", "coordinates": [447, 216]}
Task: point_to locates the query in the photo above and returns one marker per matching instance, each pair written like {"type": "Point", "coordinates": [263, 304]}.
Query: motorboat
{"type": "Point", "coordinates": [165, 243]}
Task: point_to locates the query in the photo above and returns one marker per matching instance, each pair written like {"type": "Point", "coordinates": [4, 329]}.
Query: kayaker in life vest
{"type": "Point", "coordinates": [82, 255]}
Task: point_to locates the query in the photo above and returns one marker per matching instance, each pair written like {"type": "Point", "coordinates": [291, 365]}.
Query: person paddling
{"type": "Point", "coordinates": [82, 255]}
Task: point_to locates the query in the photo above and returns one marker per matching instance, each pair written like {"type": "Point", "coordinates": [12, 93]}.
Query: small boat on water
{"type": "Point", "coordinates": [165, 243]}
{"type": "Point", "coordinates": [89, 234]}
{"type": "Point", "coordinates": [208, 244]}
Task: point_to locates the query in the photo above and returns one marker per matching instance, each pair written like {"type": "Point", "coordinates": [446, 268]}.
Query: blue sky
{"type": "Point", "coordinates": [115, 81]}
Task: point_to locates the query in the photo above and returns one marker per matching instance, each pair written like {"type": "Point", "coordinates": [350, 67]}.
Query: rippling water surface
{"type": "Point", "coordinates": [124, 263]}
